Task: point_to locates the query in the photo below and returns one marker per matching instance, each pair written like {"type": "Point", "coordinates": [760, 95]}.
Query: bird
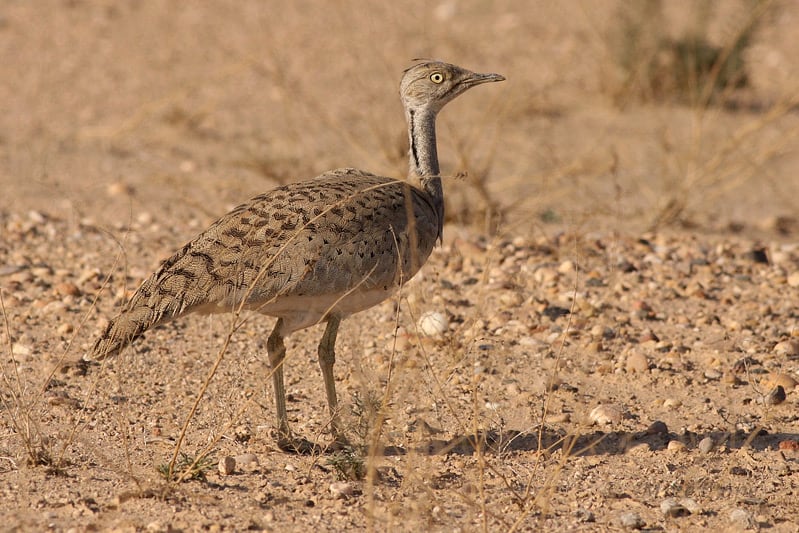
{"type": "Point", "coordinates": [313, 251]}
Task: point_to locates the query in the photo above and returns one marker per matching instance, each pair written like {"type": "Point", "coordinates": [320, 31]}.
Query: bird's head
{"type": "Point", "coordinates": [431, 84]}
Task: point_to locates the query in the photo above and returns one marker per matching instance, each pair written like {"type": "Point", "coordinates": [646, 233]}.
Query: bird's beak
{"type": "Point", "coordinates": [476, 79]}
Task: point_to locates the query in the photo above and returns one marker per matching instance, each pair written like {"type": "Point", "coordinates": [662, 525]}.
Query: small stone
{"type": "Point", "coordinates": [67, 289]}
{"type": "Point", "coordinates": [227, 465]}
{"type": "Point", "coordinates": [584, 515]}
{"type": "Point", "coordinates": [672, 403]}
{"type": "Point", "coordinates": [712, 374]}
{"type": "Point", "coordinates": [119, 188]}
{"type": "Point", "coordinates": [247, 459]}
{"type": "Point", "coordinates": [242, 433]}
{"type": "Point", "coordinates": [706, 445]}
{"type": "Point", "coordinates": [605, 414]}
{"type": "Point", "coordinates": [742, 518]}
{"type": "Point", "coordinates": [793, 279]}
{"type": "Point", "coordinates": [594, 347]}
{"type": "Point", "coordinates": [691, 505]}
{"type": "Point", "coordinates": [675, 446]}
{"type": "Point", "coordinates": [631, 520]}
{"type": "Point", "coordinates": [37, 217]}
{"type": "Point", "coordinates": [566, 267]}
{"type": "Point", "coordinates": [731, 379]}
{"type": "Point", "coordinates": [560, 418]}
{"type": "Point", "coordinates": [776, 396]}
{"type": "Point", "coordinates": [637, 363]}
{"type": "Point", "coordinates": [657, 428]}
{"type": "Point", "coordinates": [789, 445]}
{"type": "Point", "coordinates": [65, 329]}
{"type": "Point", "coordinates": [511, 299]}
{"type": "Point", "coordinates": [789, 347]}
{"type": "Point", "coordinates": [54, 308]}
{"type": "Point", "coordinates": [61, 398]}
{"type": "Point", "coordinates": [341, 490]}
{"type": "Point", "coordinates": [433, 324]}
{"type": "Point", "coordinates": [20, 349]}
{"type": "Point", "coordinates": [786, 381]}
{"type": "Point", "coordinates": [672, 508]}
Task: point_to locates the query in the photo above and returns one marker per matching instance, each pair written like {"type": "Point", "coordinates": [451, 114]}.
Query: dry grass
{"type": "Point", "coordinates": [562, 150]}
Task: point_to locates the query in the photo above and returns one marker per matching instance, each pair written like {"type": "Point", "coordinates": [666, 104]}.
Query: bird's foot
{"type": "Point", "coordinates": [339, 443]}
{"type": "Point", "coordinates": [297, 445]}
{"type": "Point", "coordinates": [300, 446]}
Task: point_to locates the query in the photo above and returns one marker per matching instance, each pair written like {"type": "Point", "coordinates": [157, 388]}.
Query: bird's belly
{"type": "Point", "coordinates": [301, 311]}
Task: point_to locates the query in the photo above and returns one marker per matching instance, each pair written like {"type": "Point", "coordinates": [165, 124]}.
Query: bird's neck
{"type": "Point", "coordinates": [423, 157]}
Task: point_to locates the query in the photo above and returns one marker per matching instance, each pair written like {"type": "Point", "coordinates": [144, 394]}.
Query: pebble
{"type": "Point", "coordinates": [631, 520]}
{"type": "Point", "coordinates": [433, 324]}
{"type": "Point", "coordinates": [602, 332]}
{"type": "Point", "coordinates": [786, 381]}
{"type": "Point", "coordinates": [637, 363]}
{"type": "Point", "coordinates": [639, 449]}
{"type": "Point", "coordinates": [247, 459]}
{"type": "Point", "coordinates": [657, 428]}
{"type": "Point", "coordinates": [511, 299]}
{"type": "Point", "coordinates": [341, 490]}
{"type": "Point", "coordinates": [54, 308]}
{"type": "Point", "coordinates": [20, 349]}
{"type": "Point", "coordinates": [691, 505]}
{"type": "Point", "coordinates": [227, 465]}
{"type": "Point", "coordinates": [119, 188]}
{"type": "Point", "coordinates": [789, 347]}
{"type": "Point", "coordinates": [706, 445]}
{"type": "Point", "coordinates": [584, 515]}
{"type": "Point", "coordinates": [605, 414]}
{"type": "Point", "coordinates": [560, 418]}
{"type": "Point", "coordinates": [742, 518]}
{"type": "Point", "coordinates": [776, 396]}
{"type": "Point", "coordinates": [675, 446]}
{"type": "Point", "coordinates": [672, 403]}
{"type": "Point", "coordinates": [793, 279]}
{"type": "Point", "coordinates": [67, 288]}
{"type": "Point", "coordinates": [712, 374]}
{"type": "Point", "coordinates": [672, 508]}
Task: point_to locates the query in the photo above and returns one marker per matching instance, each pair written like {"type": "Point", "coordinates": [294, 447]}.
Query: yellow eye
{"type": "Point", "coordinates": [436, 77]}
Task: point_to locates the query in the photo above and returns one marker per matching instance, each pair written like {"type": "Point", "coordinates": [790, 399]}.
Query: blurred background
{"type": "Point", "coordinates": [625, 116]}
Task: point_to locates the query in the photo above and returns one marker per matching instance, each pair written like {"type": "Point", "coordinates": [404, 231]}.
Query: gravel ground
{"type": "Point", "coordinates": [585, 369]}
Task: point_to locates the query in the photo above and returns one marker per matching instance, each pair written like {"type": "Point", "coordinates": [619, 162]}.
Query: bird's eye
{"type": "Point", "coordinates": [436, 77]}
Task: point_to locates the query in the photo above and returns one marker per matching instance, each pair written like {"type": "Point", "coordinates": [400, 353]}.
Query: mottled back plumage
{"type": "Point", "coordinates": [313, 251]}
{"type": "Point", "coordinates": [335, 237]}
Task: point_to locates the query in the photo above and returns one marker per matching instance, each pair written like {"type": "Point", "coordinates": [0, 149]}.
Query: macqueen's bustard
{"type": "Point", "coordinates": [313, 251]}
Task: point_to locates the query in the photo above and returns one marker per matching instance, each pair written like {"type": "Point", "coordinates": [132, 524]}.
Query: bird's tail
{"type": "Point", "coordinates": [165, 295]}
{"type": "Point", "coordinates": [121, 331]}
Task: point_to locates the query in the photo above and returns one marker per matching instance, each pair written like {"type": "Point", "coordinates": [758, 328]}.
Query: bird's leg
{"type": "Point", "coordinates": [327, 357]}
{"type": "Point", "coordinates": [277, 354]}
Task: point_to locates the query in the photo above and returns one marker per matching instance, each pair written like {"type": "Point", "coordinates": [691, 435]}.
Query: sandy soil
{"type": "Point", "coordinates": [619, 281]}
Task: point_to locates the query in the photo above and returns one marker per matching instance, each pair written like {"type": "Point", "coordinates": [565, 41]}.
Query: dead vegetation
{"type": "Point", "coordinates": [557, 298]}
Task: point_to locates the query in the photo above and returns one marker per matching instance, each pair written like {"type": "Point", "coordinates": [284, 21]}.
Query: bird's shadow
{"type": "Point", "coordinates": [595, 442]}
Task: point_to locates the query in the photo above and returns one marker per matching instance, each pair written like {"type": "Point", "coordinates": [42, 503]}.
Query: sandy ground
{"type": "Point", "coordinates": [619, 279]}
